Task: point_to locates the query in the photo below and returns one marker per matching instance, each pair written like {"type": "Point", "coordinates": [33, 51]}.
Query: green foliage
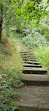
{"type": "Point", "coordinates": [29, 20]}
{"type": "Point", "coordinates": [13, 76]}
{"type": "Point", "coordinates": [43, 56]}
{"type": "Point", "coordinates": [34, 39]}
{"type": "Point", "coordinates": [39, 45]}
{"type": "Point", "coordinates": [10, 74]}
{"type": "Point", "coordinates": [7, 85]}
{"type": "Point", "coordinates": [7, 52]}
{"type": "Point", "coordinates": [8, 95]}
{"type": "Point", "coordinates": [21, 13]}
{"type": "Point", "coordinates": [6, 107]}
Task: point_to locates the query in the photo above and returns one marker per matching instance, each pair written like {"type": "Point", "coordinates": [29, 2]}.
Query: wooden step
{"type": "Point", "coordinates": [27, 51]}
{"type": "Point", "coordinates": [28, 59]}
{"type": "Point", "coordinates": [36, 80]}
{"type": "Point", "coordinates": [30, 62]}
{"type": "Point", "coordinates": [27, 54]}
{"type": "Point", "coordinates": [25, 57]}
{"type": "Point", "coordinates": [32, 57]}
{"type": "Point", "coordinates": [30, 70]}
{"type": "Point", "coordinates": [31, 65]}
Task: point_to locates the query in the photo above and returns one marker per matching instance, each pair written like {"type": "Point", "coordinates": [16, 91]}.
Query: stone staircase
{"type": "Point", "coordinates": [35, 92]}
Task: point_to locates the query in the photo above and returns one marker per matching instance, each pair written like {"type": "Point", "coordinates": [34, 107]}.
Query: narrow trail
{"type": "Point", "coordinates": [35, 92]}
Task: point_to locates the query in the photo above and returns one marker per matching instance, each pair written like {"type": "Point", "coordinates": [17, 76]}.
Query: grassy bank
{"type": "Point", "coordinates": [10, 55]}
{"type": "Point", "coordinates": [10, 73]}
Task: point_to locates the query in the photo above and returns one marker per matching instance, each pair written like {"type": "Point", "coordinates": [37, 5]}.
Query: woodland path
{"type": "Point", "coordinates": [35, 92]}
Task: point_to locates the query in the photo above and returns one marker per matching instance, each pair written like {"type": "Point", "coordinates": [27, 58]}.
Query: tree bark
{"type": "Point", "coordinates": [1, 21]}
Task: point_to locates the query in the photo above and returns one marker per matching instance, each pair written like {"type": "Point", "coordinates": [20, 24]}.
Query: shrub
{"type": "Point", "coordinates": [39, 46]}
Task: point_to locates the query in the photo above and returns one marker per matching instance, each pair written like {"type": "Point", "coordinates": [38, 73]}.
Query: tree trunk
{"type": "Point", "coordinates": [0, 30]}
{"type": "Point", "coordinates": [1, 21]}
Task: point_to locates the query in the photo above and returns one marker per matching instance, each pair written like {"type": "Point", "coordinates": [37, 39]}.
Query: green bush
{"type": "Point", "coordinates": [43, 56]}
{"type": "Point", "coordinates": [9, 80]}
{"type": "Point", "coordinates": [13, 76]}
{"type": "Point", "coordinates": [39, 46]}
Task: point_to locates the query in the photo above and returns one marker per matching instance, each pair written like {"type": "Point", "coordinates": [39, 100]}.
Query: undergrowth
{"type": "Point", "coordinates": [10, 73]}
{"type": "Point", "coordinates": [39, 45]}
{"type": "Point", "coordinates": [43, 56]}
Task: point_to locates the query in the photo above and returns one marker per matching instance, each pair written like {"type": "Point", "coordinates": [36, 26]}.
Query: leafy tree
{"type": "Point", "coordinates": [10, 14]}
{"type": "Point", "coordinates": [20, 13]}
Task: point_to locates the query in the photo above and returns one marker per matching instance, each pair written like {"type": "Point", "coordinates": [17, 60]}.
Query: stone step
{"type": "Point", "coordinates": [28, 59]}
{"type": "Point", "coordinates": [30, 62]}
{"type": "Point", "coordinates": [36, 80]}
{"type": "Point", "coordinates": [26, 51]}
{"type": "Point", "coordinates": [27, 54]}
{"type": "Point", "coordinates": [33, 98]}
{"type": "Point", "coordinates": [31, 65]}
{"type": "Point", "coordinates": [35, 92]}
{"type": "Point", "coordinates": [30, 70]}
